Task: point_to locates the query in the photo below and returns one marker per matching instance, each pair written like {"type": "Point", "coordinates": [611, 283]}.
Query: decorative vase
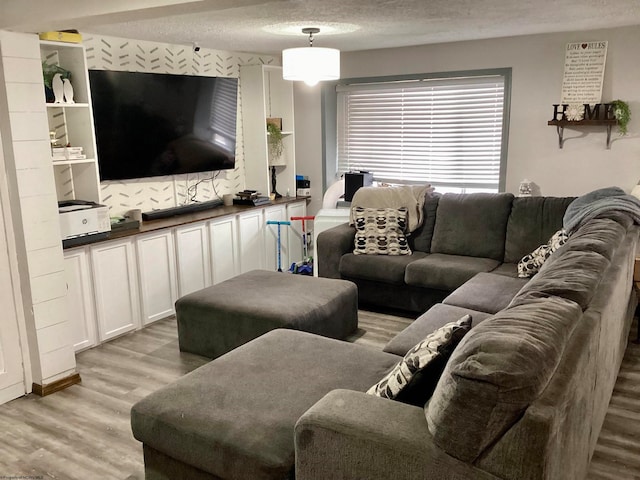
{"type": "Point", "coordinates": [58, 88]}
{"type": "Point", "coordinates": [68, 91]}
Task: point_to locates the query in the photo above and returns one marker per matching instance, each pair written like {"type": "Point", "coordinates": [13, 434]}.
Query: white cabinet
{"type": "Point", "coordinates": [80, 302]}
{"type": "Point", "coordinates": [250, 240]}
{"type": "Point", "coordinates": [72, 124]}
{"type": "Point", "coordinates": [297, 209]}
{"type": "Point", "coordinates": [192, 252]}
{"type": "Point", "coordinates": [116, 288]}
{"type": "Point", "coordinates": [121, 285]}
{"type": "Point", "coordinates": [265, 94]}
{"type": "Point", "coordinates": [277, 213]}
{"type": "Point", "coordinates": [157, 273]}
{"type": "Point", "coordinates": [223, 238]}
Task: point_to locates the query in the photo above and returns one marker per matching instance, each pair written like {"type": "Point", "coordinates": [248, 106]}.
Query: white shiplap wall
{"type": "Point", "coordinates": [28, 157]}
{"type": "Point", "coordinates": [113, 53]}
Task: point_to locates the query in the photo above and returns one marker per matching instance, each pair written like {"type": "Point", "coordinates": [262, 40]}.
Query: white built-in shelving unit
{"type": "Point", "coordinates": [73, 125]}
{"type": "Point", "coordinates": [265, 94]}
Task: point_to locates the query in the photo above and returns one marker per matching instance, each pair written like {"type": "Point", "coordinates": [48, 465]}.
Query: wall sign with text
{"type": "Point", "coordinates": [583, 72]}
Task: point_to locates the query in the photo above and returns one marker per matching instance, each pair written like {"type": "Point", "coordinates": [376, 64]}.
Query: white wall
{"type": "Point", "coordinates": [537, 62]}
{"type": "Point", "coordinates": [115, 53]}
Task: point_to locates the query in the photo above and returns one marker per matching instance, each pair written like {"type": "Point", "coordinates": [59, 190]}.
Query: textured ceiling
{"type": "Point", "coordinates": [261, 26]}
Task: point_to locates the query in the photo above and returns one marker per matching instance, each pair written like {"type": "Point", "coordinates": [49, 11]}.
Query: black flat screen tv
{"type": "Point", "coordinates": [150, 124]}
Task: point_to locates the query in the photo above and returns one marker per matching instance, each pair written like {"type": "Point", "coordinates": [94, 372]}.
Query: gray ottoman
{"type": "Point", "coordinates": [234, 418]}
{"type": "Point", "coordinates": [218, 319]}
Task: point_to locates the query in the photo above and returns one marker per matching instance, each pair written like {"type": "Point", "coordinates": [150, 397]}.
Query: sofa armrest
{"type": "Point", "coordinates": [352, 435]}
{"type": "Point", "coordinates": [332, 244]}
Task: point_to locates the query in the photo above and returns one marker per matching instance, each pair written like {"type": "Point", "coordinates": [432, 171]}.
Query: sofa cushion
{"type": "Point", "coordinates": [507, 269]}
{"type": "Point", "coordinates": [600, 235]}
{"type": "Point", "coordinates": [380, 231]}
{"type": "Point", "coordinates": [486, 292]}
{"type": "Point", "coordinates": [472, 225]}
{"type": "Point", "coordinates": [531, 263]}
{"type": "Point", "coordinates": [413, 379]}
{"type": "Point", "coordinates": [497, 371]}
{"type": "Point", "coordinates": [427, 323]}
{"type": "Point", "coordinates": [446, 272]}
{"type": "Point", "coordinates": [531, 222]}
{"type": "Point", "coordinates": [575, 270]}
{"type": "Point", "coordinates": [420, 239]}
{"type": "Point", "coordinates": [573, 275]}
{"type": "Point", "coordinates": [379, 268]}
{"type": "Point", "coordinates": [234, 417]}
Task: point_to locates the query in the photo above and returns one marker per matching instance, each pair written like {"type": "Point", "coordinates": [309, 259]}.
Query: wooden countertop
{"type": "Point", "coordinates": [177, 220]}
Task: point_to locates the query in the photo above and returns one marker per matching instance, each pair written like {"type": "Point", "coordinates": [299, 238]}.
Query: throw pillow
{"type": "Point", "coordinates": [415, 377]}
{"type": "Point", "coordinates": [531, 263]}
{"type": "Point", "coordinates": [380, 231]}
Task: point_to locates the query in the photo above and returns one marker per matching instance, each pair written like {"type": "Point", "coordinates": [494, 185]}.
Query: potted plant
{"type": "Point", "coordinates": [622, 113]}
{"type": "Point", "coordinates": [48, 72]}
{"type": "Point", "coordinates": [274, 141]}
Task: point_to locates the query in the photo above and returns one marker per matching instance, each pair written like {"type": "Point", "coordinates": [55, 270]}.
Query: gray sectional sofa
{"type": "Point", "coordinates": [462, 235]}
{"type": "Point", "coordinates": [523, 396]}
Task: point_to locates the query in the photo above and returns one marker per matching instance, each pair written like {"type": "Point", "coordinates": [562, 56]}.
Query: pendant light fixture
{"type": "Point", "coordinates": [311, 64]}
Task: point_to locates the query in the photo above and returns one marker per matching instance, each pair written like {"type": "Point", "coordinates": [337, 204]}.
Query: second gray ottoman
{"type": "Point", "coordinates": [220, 318]}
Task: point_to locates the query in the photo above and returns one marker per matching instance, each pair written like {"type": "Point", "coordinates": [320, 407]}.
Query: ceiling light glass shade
{"type": "Point", "coordinates": [311, 64]}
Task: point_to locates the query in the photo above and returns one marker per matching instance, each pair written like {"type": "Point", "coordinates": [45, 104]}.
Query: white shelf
{"type": "Point", "coordinates": [72, 123]}
{"type": "Point", "coordinates": [265, 94]}
{"type": "Point", "coordinates": [284, 134]}
{"type": "Point", "coordinates": [52, 45]}
{"type": "Point", "coordinates": [67, 105]}
{"type": "Point", "coordinates": [73, 162]}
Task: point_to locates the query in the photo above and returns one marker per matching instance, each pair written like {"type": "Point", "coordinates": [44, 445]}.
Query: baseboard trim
{"type": "Point", "coordinates": [44, 390]}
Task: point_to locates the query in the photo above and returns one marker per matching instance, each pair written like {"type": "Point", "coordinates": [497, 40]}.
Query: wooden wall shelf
{"type": "Point", "coordinates": [560, 124]}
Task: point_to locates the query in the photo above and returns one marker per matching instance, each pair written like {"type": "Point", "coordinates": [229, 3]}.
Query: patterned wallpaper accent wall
{"type": "Point", "coordinates": [113, 53]}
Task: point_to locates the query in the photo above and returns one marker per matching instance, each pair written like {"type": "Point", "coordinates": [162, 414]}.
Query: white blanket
{"type": "Point", "coordinates": [411, 197]}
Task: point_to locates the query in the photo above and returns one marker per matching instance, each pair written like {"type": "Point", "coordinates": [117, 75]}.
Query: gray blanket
{"type": "Point", "coordinates": [595, 203]}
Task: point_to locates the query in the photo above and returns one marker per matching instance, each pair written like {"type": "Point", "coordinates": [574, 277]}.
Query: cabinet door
{"type": "Point", "coordinates": [192, 253]}
{"type": "Point", "coordinates": [250, 240]}
{"type": "Point", "coordinates": [278, 213]}
{"type": "Point", "coordinates": [157, 273]}
{"type": "Point", "coordinates": [81, 306]}
{"type": "Point", "coordinates": [223, 239]}
{"type": "Point", "coordinates": [298, 209]}
{"type": "Point", "coordinates": [116, 288]}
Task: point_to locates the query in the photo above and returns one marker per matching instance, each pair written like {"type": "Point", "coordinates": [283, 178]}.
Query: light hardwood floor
{"type": "Point", "coordinates": [83, 432]}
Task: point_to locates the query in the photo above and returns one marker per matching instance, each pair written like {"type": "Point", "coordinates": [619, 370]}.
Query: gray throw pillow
{"type": "Point", "coordinates": [415, 377]}
{"type": "Point", "coordinates": [380, 231]}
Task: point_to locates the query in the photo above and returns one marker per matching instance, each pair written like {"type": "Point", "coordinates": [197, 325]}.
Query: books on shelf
{"type": "Point", "coordinates": [67, 153]}
{"type": "Point", "coordinates": [57, 158]}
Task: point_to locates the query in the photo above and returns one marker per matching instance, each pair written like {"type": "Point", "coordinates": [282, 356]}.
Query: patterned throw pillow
{"type": "Point", "coordinates": [380, 231]}
{"type": "Point", "coordinates": [531, 263]}
{"type": "Point", "coordinates": [415, 377]}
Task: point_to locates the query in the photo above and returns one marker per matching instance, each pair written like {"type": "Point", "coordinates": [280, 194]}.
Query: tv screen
{"type": "Point", "coordinates": [150, 124]}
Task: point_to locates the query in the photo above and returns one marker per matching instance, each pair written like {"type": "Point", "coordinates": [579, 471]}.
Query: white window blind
{"type": "Point", "coordinates": [447, 132]}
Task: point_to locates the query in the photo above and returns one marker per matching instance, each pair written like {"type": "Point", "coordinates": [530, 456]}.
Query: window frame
{"type": "Point", "coordinates": [329, 112]}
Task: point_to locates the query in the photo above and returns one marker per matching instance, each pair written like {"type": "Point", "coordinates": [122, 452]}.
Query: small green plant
{"type": "Point", "coordinates": [622, 113]}
{"type": "Point", "coordinates": [49, 70]}
{"type": "Point", "coordinates": [274, 140]}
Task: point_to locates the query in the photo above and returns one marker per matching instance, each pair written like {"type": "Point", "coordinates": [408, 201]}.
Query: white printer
{"type": "Point", "coordinates": [82, 221]}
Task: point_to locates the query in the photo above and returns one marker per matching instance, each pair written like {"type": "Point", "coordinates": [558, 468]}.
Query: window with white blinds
{"type": "Point", "coordinates": [446, 132]}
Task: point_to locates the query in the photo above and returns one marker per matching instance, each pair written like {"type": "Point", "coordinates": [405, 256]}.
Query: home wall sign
{"type": "Point", "coordinates": [582, 114]}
